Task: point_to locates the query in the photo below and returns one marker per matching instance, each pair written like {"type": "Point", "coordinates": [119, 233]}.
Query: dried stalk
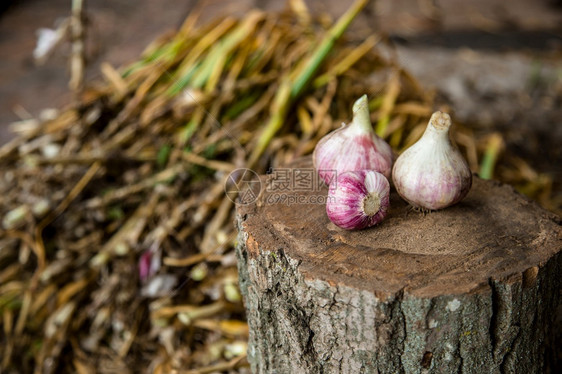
{"type": "Point", "coordinates": [77, 60]}
{"type": "Point", "coordinates": [160, 138]}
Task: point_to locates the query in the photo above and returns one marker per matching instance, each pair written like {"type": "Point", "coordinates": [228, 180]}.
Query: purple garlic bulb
{"type": "Point", "coordinates": [353, 147]}
{"type": "Point", "coordinates": [432, 174]}
{"type": "Point", "coordinates": [358, 199]}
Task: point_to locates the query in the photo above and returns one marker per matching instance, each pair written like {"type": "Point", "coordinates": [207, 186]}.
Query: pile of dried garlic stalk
{"type": "Point", "coordinates": [116, 248]}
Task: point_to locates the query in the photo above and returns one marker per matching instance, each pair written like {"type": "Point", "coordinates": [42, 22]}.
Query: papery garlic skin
{"type": "Point", "coordinates": [358, 199]}
{"type": "Point", "coordinates": [432, 174]}
{"type": "Point", "coordinates": [353, 147]}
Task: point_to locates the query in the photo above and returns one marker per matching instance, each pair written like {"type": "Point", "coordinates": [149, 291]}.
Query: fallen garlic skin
{"type": "Point", "coordinates": [353, 147]}
{"type": "Point", "coordinates": [432, 174]}
{"type": "Point", "coordinates": [358, 199]}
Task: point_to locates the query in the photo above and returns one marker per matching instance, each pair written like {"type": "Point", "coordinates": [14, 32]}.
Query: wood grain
{"type": "Point", "coordinates": [469, 288]}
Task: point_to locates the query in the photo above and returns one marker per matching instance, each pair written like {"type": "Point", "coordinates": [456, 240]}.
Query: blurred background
{"type": "Point", "coordinates": [118, 248]}
{"type": "Point", "coordinates": [499, 64]}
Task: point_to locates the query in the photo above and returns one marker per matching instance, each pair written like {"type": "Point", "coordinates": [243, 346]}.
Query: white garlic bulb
{"type": "Point", "coordinates": [358, 199]}
{"type": "Point", "coordinates": [353, 147]}
{"type": "Point", "coordinates": [432, 174]}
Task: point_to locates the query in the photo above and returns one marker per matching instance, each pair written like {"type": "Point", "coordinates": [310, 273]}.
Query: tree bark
{"type": "Point", "coordinates": [474, 288]}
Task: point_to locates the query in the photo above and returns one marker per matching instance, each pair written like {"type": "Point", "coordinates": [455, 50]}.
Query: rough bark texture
{"type": "Point", "coordinates": [471, 289]}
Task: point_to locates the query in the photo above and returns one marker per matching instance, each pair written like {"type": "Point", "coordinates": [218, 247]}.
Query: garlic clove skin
{"type": "Point", "coordinates": [432, 174]}
{"type": "Point", "coordinates": [358, 199]}
{"type": "Point", "coordinates": [353, 147]}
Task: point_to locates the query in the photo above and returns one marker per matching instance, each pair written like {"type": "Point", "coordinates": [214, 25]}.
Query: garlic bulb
{"type": "Point", "coordinates": [353, 147]}
{"type": "Point", "coordinates": [358, 199]}
{"type": "Point", "coordinates": [432, 174]}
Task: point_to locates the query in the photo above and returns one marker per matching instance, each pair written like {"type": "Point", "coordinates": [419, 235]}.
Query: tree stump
{"type": "Point", "coordinates": [474, 288]}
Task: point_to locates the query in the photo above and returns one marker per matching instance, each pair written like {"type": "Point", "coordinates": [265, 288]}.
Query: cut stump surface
{"type": "Point", "coordinates": [472, 288]}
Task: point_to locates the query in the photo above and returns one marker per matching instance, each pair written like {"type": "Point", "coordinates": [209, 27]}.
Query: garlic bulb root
{"type": "Point", "coordinates": [358, 199]}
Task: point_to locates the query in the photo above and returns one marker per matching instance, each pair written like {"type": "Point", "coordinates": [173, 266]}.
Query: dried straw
{"type": "Point", "coordinates": [116, 252]}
